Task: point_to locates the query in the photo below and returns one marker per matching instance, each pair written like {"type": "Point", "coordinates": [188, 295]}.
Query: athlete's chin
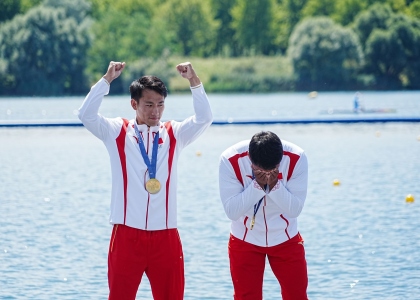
{"type": "Point", "coordinates": [153, 122]}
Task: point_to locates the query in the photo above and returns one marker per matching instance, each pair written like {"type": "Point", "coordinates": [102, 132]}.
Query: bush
{"type": "Point", "coordinates": [43, 53]}
{"type": "Point", "coordinates": [325, 55]}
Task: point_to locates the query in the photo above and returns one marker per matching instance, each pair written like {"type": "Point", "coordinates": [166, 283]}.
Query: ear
{"type": "Point", "coordinates": [134, 104]}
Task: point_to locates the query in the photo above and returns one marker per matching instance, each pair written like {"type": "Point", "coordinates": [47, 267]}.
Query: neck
{"type": "Point", "coordinates": [139, 122]}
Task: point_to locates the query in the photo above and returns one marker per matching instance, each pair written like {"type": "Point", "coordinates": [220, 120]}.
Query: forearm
{"type": "Point", "coordinates": [202, 109]}
{"type": "Point", "coordinates": [88, 111]}
{"type": "Point", "coordinates": [236, 200]}
{"type": "Point", "coordinates": [289, 203]}
{"type": "Point", "coordinates": [290, 196]}
{"type": "Point", "coordinates": [90, 106]}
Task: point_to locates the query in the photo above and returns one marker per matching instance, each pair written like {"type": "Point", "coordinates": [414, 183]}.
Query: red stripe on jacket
{"type": "Point", "coordinates": [287, 226]}
{"type": "Point", "coordinates": [293, 161]}
{"type": "Point", "coordinates": [235, 164]}
{"type": "Point", "coordinates": [172, 144]}
{"type": "Point", "coordinates": [120, 140]}
{"type": "Point", "coordinates": [246, 228]}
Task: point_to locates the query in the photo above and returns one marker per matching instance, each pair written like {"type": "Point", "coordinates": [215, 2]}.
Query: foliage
{"type": "Point", "coordinates": [43, 53]}
{"type": "Point", "coordinates": [192, 26]}
{"type": "Point", "coordinates": [246, 82]}
{"type": "Point", "coordinates": [176, 26]}
{"type": "Point", "coordinates": [347, 10]}
{"type": "Point", "coordinates": [240, 74]}
{"type": "Point", "coordinates": [325, 56]}
{"type": "Point", "coordinates": [77, 9]}
{"type": "Point", "coordinates": [414, 9]}
{"type": "Point", "coordinates": [319, 8]}
{"type": "Point", "coordinates": [9, 8]}
{"type": "Point", "coordinates": [289, 14]}
{"type": "Point", "coordinates": [147, 33]}
{"type": "Point", "coordinates": [392, 46]}
{"type": "Point", "coordinates": [160, 67]}
{"type": "Point", "coordinates": [376, 17]}
{"type": "Point", "coordinates": [117, 38]}
{"type": "Point", "coordinates": [254, 25]}
{"type": "Point", "coordinates": [394, 55]}
{"type": "Point", "coordinates": [26, 5]}
{"type": "Point", "coordinates": [344, 11]}
{"type": "Point", "coordinates": [225, 45]}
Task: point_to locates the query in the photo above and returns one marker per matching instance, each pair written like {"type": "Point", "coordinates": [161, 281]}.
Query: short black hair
{"type": "Point", "coordinates": [148, 82]}
{"type": "Point", "coordinates": [265, 150]}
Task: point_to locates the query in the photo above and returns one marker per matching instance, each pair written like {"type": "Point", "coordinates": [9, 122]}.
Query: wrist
{"type": "Point", "coordinates": [194, 81]}
{"type": "Point", "coordinates": [108, 79]}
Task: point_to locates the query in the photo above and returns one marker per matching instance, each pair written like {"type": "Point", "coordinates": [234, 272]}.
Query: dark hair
{"type": "Point", "coordinates": [265, 150]}
{"type": "Point", "coordinates": [147, 83]}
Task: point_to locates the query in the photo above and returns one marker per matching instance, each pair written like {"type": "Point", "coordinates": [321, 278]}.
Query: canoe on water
{"type": "Point", "coordinates": [333, 111]}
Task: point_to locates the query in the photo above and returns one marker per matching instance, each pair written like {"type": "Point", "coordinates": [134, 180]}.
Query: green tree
{"type": "Point", "coordinates": [225, 43]}
{"type": "Point", "coordinates": [160, 39]}
{"type": "Point", "coordinates": [376, 17]}
{"type": "Point", "coordinates": [344, 11]}
{"type": "Point", "coordinates": [255, 26]}
{"type": "Point", "coordinates": [392, 46]}
{"type": "Point", "coordinates": [77, 9]}
{"type": "Point", "coordinates": [289, 14]}
{"type": "Point", "coordinates": [319, 8]}
{"type": "Point", "coordinates": [325, 56]}
{"type": "Point", "coordinates": [26, 5]}
{"type": "Point", "coordinates": [393, 55]}
{"type": "Point", "coordinates": [293, 9]}
{"type": "Point", "coordinates": [43, 53]}
{"type": "Point", "coordinates": [9, 8]}
{"type": "Point", "coordinates": [347, 10]}
{"type": "Point", "coordinates": [385, 58]}
{"type": "Point", "coordinates": [120, 33]}
{"type": "Point", "coordinates": [414, 9]}
{"type": "Point", "coordinates": [192, 26]}
{"type": "Point", "coordinates": [159, 67]}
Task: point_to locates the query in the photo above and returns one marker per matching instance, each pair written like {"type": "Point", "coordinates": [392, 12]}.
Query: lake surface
{"type": "Point", "coordinates": [361, 237]}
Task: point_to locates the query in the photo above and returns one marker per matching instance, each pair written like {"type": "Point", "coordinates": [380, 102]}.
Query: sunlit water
{"type": "Point", "coordinates": [361, 238]}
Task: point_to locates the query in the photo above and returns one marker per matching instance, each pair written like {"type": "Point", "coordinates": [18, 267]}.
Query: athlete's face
{"type": "Point", "coordinates": [150, 108]}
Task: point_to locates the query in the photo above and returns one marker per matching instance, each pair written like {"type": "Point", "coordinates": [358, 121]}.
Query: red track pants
{"type": "Point", "coordinates": [287, 260]}
{"type": "Point", "coordinates": [158, 253]}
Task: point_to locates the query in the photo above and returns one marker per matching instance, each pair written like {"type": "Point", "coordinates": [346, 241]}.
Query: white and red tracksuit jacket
{"type": "Point", "coordinates": [131, 204]}
{"type": "Point", "coordinates": [276, 218]}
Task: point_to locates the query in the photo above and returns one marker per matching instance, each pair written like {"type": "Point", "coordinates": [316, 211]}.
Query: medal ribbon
{"type": "Point", "coordinates": [151, 165]}
{"type": "Point", "coordinates": [257, 206]}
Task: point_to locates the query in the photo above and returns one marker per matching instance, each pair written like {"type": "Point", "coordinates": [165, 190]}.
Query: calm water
{"type": "Point", "coordinates": [362, 238]}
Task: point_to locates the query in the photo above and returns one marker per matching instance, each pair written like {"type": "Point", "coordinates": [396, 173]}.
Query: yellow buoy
{"type": "Point", "coordinates": [313, 94]}
{"type": "Point", "coordinates": [198, 153]}
{"type": "Point", "coordinates": [409, 198]}
{"type": "Point", "coordinates": [336, 182]}
{"type": "Point", "coordinates": [378, 134]}
{"type": "Point", "coordinates": [418, 138]}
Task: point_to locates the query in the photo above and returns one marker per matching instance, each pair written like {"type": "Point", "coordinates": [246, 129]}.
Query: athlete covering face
{"type": "Point", "coordinates": [263, 184]}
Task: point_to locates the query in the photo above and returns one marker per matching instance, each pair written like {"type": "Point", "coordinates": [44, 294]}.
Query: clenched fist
{"type": "Point", "coordinates": [186, 70]}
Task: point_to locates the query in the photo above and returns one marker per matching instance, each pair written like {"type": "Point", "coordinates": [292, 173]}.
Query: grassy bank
{"type": "Point", "coordinates": [243, 74]}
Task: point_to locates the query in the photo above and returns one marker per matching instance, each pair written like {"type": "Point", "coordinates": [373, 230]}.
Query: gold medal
{"type": "Point", "coordinates": [153, 186]}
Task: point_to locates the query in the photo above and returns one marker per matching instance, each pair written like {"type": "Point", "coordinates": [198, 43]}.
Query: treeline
{"type": "Point", "coordinates": [61, 47]}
